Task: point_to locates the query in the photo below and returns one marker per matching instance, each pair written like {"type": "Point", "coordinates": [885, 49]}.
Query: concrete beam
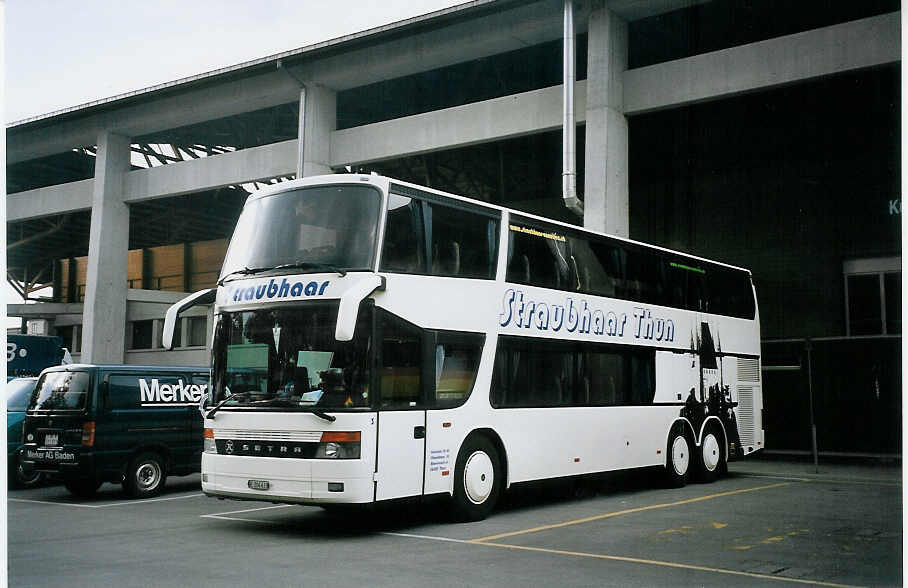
{"type": "Point", "coordinates": [836, 49]}
{"type": "Point", "coordinates": [460, 126]}
{"type": "Point", "coordinates": [464, 40]}
{"type": "Point", "coordinates": [629, 10]}
{"type": "Point", "coordinates": [52, 200]}
{"type": "Point", "coordinates": [151, 114]}
{"type": "Point", "coordinates": [520, 25]}
{"type": "Point", "coordinates": [44, 310]}
{"type": "Point", "coordinates": [208, 173]}
{"type": "Point", "coordinates": [499, 118]}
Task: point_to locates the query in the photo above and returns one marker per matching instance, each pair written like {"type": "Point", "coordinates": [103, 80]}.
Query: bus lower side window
{"type": "Point", "coordinates": [533, 373]}
{"type": "Point", "coordinates": [400, 364]}
{"type": "Point", "coordinates": [456, 362]}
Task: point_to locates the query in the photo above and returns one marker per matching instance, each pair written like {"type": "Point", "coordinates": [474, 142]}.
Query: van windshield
{"type": "Point", "coordinates": [61, 391]}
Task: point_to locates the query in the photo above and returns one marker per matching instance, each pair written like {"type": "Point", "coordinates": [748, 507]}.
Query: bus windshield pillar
{"type": "Point", "coordinates": [349, 305]}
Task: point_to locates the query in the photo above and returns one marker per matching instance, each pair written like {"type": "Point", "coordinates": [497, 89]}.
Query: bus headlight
{"type": "Point", "coordinates": [339, 445]}
{"type": "Point", "coordinates": [331, 450]}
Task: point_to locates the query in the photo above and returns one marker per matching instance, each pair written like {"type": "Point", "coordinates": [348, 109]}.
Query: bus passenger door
{"type": "Point", "coordinates": [401, 453]}
{"type": "Point", "coordinates": [401, 382]}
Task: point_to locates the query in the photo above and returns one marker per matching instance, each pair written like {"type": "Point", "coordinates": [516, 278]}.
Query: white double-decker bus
{"type": "Point", "coordinates": [376, 340]}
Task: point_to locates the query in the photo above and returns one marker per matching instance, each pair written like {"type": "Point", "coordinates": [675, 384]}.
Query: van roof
{"type": "Point", "coordinates": [124, 367]}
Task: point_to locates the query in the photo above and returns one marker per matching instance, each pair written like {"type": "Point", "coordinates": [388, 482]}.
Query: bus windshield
{"type": "Point", "coordinates": [289, 358]}
{"type": "Point", "coordinates": [332, 226]}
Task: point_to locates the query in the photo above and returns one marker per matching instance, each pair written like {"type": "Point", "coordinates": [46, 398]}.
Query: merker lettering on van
{"type": "Point", "coordinates": [179, 394]}
{"type": "Point", "coordinates": [578, 317]}
{"type": "Point", "coordinates": [274, 289]}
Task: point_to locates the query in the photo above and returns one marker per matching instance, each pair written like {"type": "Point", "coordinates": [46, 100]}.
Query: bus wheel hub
{"type": "Point", "coordinates": [478, 477]}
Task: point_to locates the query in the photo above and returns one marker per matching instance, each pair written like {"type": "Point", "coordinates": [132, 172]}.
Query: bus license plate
{"type": "Point", "coordinates": [51, 439]}
{"type": "Point", "coordinates": [259, 484]}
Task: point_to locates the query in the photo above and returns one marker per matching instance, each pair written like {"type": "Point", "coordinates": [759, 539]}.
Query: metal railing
{"type": "Point", "coordinates": [833, 396]}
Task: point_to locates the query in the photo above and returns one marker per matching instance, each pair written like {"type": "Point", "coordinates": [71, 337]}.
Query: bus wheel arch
{"type": "Point", "coordinates": [479, 475]}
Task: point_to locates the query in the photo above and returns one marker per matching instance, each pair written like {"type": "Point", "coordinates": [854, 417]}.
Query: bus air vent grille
{"type": "Point", "coordinates": [748, 370]}
{"type": "Point", "coordinates": [257, 435]}
{"type": "Point", "coordinates": [746, 415]}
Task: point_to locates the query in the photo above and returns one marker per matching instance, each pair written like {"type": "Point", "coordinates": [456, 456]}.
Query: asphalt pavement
{"type": "Point", "coordinates": [769, 522]}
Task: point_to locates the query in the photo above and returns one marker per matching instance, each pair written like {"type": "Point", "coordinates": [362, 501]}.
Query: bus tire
{"type": "Point", "coordinates": [711, 456]}
{"type": "Point", "coordinates": [678, 457]}
{"type": "Point", "coordinates": [145, 475]}
{"type": "Point", "coordinates": [477, 480]}
{"type": "Point", "coordinates": [83, 487]}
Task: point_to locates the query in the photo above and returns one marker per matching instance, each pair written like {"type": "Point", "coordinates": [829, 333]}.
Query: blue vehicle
{"type": "Point", "coordinates": [18, 392]}
{"type": "Point", "coordinates": [27, 355]}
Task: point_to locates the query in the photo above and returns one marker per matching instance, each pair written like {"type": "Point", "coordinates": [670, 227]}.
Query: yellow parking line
{"type": "Point", "coordinates": [627, 511]}
{"type": "Point", "coordinates": [667, 564]}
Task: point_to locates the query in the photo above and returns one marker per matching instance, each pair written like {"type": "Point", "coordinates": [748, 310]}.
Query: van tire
{"type": "Point", "coordinates": [19, 479]}
{"type": "Point", "coordinates": [83, 487]}
{"type": "Point", "coordinates": [474, 494]}
{"type": "Point", "coordinates": [145, 475]}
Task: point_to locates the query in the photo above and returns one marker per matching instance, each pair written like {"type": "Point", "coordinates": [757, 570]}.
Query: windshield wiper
{"type": "Point", "coordinates": [311, 265]}
{"type": "Point", "coordinates": [216, 407]}
{"type": "Point", "coordinates": [323, 415]}
{"type": "Point", "coordinates": [246, 271]}
{"type": "Point", "coordinates": [290, 404]}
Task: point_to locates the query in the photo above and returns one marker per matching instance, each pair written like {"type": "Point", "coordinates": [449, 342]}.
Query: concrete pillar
{"type": "Point", "coordinates": [318, 118]}
{"type": "Point", "coordinates": [605, 198]}
{"type": "Point", "coordinates": [104, 315]}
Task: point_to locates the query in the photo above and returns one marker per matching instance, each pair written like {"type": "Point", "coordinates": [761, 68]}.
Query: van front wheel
{"type": "Point", "coordinates": [145, 476]}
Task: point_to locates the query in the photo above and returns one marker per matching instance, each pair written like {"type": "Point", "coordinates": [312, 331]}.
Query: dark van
{"type": "Point", "coordinates": [89, 424]}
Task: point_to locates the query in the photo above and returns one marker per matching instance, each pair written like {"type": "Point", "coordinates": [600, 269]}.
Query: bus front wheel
{"type": "Point", "coordinates": [477, 480]}
{"type": "Point", "coordinates": [677, 462]}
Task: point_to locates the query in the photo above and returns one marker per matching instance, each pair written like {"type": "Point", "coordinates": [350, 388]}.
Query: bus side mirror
{"type": "Point", "coordinates": [173, 313]}
{"type": "Point", "coordinates": [349, 305]}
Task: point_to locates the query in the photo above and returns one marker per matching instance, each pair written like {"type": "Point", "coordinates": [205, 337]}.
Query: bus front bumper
{"type": "Point", "coordinates": [302, 481]}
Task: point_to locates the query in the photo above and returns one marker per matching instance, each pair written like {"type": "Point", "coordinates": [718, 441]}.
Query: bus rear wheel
{"type": "Point", "coordinates": [145, 476]}
{"type": "Point", "coordinates": [711, 454]}
{"type": "Point", "coordinates": [677, 461]}
{"type": "Point", "coordinates": [477, 480]}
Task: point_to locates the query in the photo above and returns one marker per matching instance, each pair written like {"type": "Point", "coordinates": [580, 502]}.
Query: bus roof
{"type": "Point", "coordinates": [385, 183]}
